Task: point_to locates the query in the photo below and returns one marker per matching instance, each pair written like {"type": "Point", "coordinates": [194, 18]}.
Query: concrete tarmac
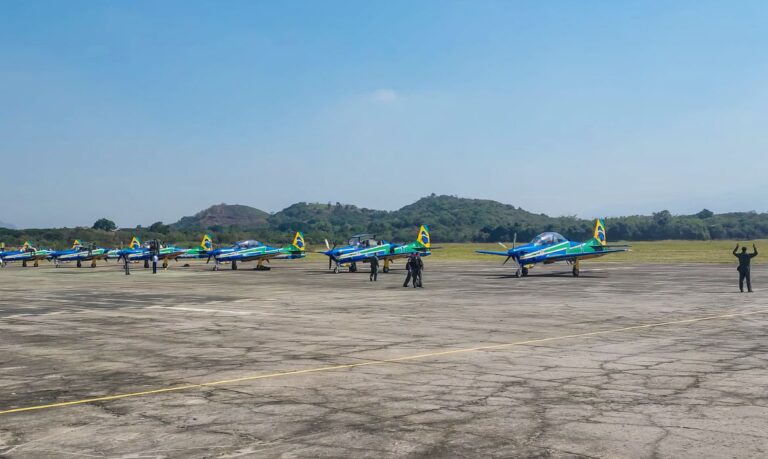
{"type": "Point", "coordinates": [624, 361]}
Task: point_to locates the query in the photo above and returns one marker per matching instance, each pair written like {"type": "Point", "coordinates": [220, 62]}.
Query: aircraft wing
{"type": "Point", "coordinates": [491, 252]}
{"type": "Point", "coordinates": [576, 256]}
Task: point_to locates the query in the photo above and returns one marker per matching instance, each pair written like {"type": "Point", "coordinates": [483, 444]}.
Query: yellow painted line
{"type": "Point", "coordinates": [378, 362]}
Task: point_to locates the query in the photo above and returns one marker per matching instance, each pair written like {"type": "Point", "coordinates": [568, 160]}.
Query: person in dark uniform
{"type": "Point", "coordinates": [374, 268]}
{"type": "Point", "coordinates": [409, 269]}
{"type": "Point", "coordinates": [419, 265]}
{"type": "Point", "coordinates": [744, 261]}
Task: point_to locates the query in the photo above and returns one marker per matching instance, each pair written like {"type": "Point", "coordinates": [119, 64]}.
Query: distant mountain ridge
{"type": "Point", "coordinates": [455, 219]}
{"type": "Point", "coordinates": [450, 219]}
{"type": "Point", "coordinates": [7, 225]}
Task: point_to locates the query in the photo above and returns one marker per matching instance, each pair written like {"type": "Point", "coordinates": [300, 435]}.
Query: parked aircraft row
{"type": "Point", "coordinates": [546, 248]}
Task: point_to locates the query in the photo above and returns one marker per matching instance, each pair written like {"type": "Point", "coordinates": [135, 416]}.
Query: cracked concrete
{"type": "Point", "coordinates": [680, 390]}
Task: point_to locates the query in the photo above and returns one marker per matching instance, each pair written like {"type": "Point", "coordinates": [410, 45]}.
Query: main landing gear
{"type": "Point", "coordinates": [576, 268]}
{"type": "Point", "coordinates": [234, 265]}
{"type": "Point", "coordinates": [521, 272]}
{"type": "Point", "coordinates": [353, 268]}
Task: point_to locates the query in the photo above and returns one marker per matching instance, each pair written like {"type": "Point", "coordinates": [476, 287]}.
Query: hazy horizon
{"type": "Point", "coordinates": [142, 112]}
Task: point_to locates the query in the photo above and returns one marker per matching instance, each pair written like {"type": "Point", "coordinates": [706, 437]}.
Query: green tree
{"type": "Point", "coordinates": [104, 225]}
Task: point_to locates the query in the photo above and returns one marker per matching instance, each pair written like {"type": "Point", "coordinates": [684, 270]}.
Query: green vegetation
{"type": "Point", "coordinates": [451, 219]}
{"type": "Point", "coordinates": [104, 225]}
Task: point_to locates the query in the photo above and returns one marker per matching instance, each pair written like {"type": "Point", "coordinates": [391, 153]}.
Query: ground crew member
{"type": "Point", "coordinates": [744, 260]}
{"type": "Point", "coordinates": [409, 269]}
{"type": "Point", "coordinates": [417, 272]}
{"type": "Point", "coordinates": [154, 264]}
{"type": "Point", "coordinates": [126, 265]}
{"type": "Point", "coordinates": [374, 268]}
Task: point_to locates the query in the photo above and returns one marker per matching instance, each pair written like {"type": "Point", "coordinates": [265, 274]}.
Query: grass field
{"type": "Point", "coordinates": [642, 252]}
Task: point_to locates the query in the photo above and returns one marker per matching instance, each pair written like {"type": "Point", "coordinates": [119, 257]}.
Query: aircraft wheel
{"type": "Point", "coordinates": [517, 273]}
{"type": "Point", "coordinates": [353, 268]}
{"type": "Point", "coordinates": [146, 264]}
{"type": "Point", "coordinates": [24, 263]}
{"type": "Point", "coordinates": [79, 265]}
{"type": "Point", "coordinates": [336, 269]}
{"type": "Point", "coordinates": [575, 272]}
{"type": "Point", "coordinates": [35, 264]}
{"type": "Point", "coordinates": [525, 272]}
{"type": "Point", "coordinates": [234, 265]}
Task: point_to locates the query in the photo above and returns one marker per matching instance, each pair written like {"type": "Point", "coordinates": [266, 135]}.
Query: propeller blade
{"type": "Point", "coordinates": [506, 260]}
{"type": "Point", "coordinates": [514, 240]}
{"type": "Point", "coordinates": [327, 245]}
{"type": "Point", "coordinates": [208, 260]}
{"type": "Point", "coordinates": [502, 244]}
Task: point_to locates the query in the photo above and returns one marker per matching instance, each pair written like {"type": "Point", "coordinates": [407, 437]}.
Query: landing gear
{"type": "Point", "coordinates": [23, 263]}
{"type": "Point", "coordinates": [576, 268]}
{"type": "Point", "coordinates": [518, 273]}
{"type": "Point", "coordinates": [146, 264]}
{"type": "Point", "coordinates": [35, 264]}
{"type": "Point", "coordinates": [165, 263]}
{"type": "Point", "coordinates": [93, 263]}
{"type": "Point", "coordinates": [234, 265]}
{"type": "Point", "coordinates": [353, 268]}
{"type": "Point", "coordinates": [260, 267]}
{"type": "Point", "coordinates": [336, 269]}
{"type": "Point", "coordinates": [525, 272]}
{"type": "Point", "coordinates": [79, 265]}
{"type": "Point", "coordinates": [386, 266]}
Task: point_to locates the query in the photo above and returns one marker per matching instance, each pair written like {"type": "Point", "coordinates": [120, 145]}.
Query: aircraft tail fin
{"type": "Point", "coordinates": [424, 237]}
{"type": "Point", "coordinates": [599, 236]}
{"type": "Point", "coordinates": [207, 242]}
{"type": "Point", "coordinates": [298, 242]}
{"type": "Point", "coordinates": [27, 246]}
{"type": "Point", "coordinates": [76, 244]}
{"type": "Point", "coordinates": [135, 243]}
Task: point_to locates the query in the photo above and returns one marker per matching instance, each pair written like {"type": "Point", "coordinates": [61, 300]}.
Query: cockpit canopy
{"type": "Point", "coordinates": [247, 244]}
{"type": "Point", "coordinates": [362, 239]}
{"type": "Point", "coordinates": [548, 238]}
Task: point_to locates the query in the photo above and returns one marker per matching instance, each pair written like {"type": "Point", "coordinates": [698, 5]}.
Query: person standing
{"type": "Point", "coordinates": [409, 268]}
{"type": "Point", "coordinates": [419, 268]}
{"type": "Point", "coordinates": [154, 264]}
{"type": "Point", "coordinates": [374, 269]}
{"type": "Point", "coordinates": [744, 268]}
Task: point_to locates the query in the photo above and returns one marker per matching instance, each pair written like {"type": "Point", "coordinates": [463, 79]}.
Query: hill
{"type": "Point", "coordinates": [225, 215]}
{"type": "Point", "coordinates": [451, 219]}
{"type": "Point", "coordinates": [7, 225]}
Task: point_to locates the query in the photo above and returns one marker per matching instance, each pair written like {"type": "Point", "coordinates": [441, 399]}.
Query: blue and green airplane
{"type": "Point", "coordinates": [552, 247]}
{"type": "Point", "coordinates": [203, 250]}
{"type": "Point", "coordinates": [79, 253]}
{"type": "Point", "coordinates": [137, 252]}
{"type": "Point", "coordinates": [26, 254]}
{"type": "Point", "coordinates": [256, 251]}
{"type": "Point", "coordinates": [364, 250]}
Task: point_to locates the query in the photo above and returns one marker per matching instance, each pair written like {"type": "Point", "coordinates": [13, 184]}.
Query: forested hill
{"type": "Point", "coordinates": [451, 219]}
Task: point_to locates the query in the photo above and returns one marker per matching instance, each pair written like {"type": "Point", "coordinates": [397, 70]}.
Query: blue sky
{"type": "Point", "coordinates": [145, 111]}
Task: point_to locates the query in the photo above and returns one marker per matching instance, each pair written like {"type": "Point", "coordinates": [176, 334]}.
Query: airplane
{"type": "Point", "coordinates": [25, 254]}
{"type": "Point", "coordinates": [550, 247]}
{"type": "Point", "coordinates": [383, 250]}
{"type": "Point", "coordinates": [79, 252]}
{"type": "Point", "coordinates": [256, 251]}
{"type": "Point", "coordinates": [137, 252]}
{"type": "Point", "coordinates": [353, 244]}
{"type": "Point", "coordinates": [201, 251]}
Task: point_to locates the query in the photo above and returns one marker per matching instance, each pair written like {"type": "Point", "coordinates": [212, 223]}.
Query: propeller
{"type": "Point", "coordinates": [514, 243]}
{"type": "Point", "coordinates": [327, 245]}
